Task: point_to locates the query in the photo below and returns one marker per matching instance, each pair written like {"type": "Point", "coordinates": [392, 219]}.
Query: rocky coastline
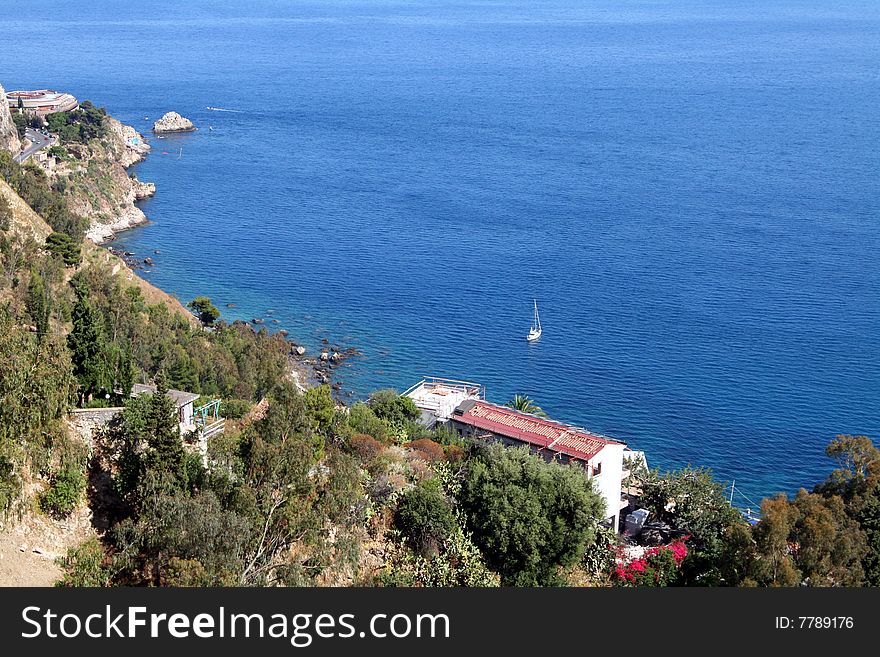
{"type": "Point", "coordinates": [8, 133]}
{"type": "Point", "coordinates": [307, 369]}
{"type": "Point", "coordinates": [97, 183]}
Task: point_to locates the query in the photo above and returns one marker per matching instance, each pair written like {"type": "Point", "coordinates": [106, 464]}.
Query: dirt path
{"type": "Point", "coordinates": [29, 548]}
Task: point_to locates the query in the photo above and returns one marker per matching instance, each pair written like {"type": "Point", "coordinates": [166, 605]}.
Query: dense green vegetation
{"type": "Point", "coordinates": [80, 125]}
{"type": "Point", "coordinates": [828, 537]}
{"type": "Point", "coordinates": [31, 183]}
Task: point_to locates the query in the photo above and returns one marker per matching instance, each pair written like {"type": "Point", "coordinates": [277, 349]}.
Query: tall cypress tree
{"type": "Point", "coordinates": [125, 371]}
{"type": "Point", "coordinates": [38, 303]}
{"type": "Point", "coordinates": [88, 347]}
{"type": "Point", "coordinates": [165, 447]}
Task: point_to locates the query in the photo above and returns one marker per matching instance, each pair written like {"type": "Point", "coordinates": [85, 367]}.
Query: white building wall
{"type": "Point", "coordinates": [186, 413]}
{"type": "Point", "coordinates": [607, 483]}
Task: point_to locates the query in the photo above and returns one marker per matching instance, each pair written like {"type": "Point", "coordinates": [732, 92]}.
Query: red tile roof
{"type": "Point", "coordinates": [536, 431]}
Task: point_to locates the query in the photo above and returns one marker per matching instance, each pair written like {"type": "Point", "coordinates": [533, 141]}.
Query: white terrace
{"type": "Point", "coordinates": [437, 398]}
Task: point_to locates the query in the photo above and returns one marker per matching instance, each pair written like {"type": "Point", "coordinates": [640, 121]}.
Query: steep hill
{"type": "Point", "coordinates": [8, 134]}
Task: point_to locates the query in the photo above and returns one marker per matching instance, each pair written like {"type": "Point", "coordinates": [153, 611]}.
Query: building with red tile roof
{"type": "Point", "coordinates": [600, 457]}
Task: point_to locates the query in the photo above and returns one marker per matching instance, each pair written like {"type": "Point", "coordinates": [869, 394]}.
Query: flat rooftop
{"type": "Point", "coordinates": [439, 397]}
{"type": "Point", "coordinates": [42, 98]}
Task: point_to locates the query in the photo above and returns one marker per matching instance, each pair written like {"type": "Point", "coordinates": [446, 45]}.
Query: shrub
{"type": "Point", "coordinates": [235, 409]}
{"type": "Point", "coordinates": [5, 214]}
{"type": "Point", "coordinates": [186, 573]}
{"type": "Point", "coordinates": [363, 420]}
{"type": "Point", "coordinates": [425, 519]}
{"type": "Point", "coordinates": [65, 490]}
{"type": "Point", "coordinates": [427, 449]}
{"type": "Point", "coordinates": [364, 447]}
{"type": "Point", "coordinates": [85, 565]}
{"type": "Point", "coordinates": [600, 556]}
{"type": "Point", "coordinates": [454, 453]}
{"type": "Point", "coordinates": [320, 407]}
{"type": "Point", "coordinates": [63, 246]}
{"type": "Point", "coordinates": [658, 566]}
{"type": "Point", "coordinates": [392, 408]}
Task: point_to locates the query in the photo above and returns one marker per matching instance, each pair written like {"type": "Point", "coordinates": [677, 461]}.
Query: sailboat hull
{"type": "Point", "coordinates": [535, 332]}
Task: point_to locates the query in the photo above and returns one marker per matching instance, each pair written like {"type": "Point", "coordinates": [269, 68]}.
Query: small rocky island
{"type": "Point", "coordinates": [173, 122]}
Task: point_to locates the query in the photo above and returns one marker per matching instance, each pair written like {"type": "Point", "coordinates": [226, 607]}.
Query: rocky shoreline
{"type": "Point", "coordinates": [98, 184]}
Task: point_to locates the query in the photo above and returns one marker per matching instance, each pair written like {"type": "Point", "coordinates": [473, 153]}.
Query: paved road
{"type": "Point", "coordinates": [38, 141]}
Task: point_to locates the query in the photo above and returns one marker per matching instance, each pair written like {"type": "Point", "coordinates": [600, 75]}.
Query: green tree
{"type": "Point", "coordinates": [809, 540]}
{"type": "Point", "coordinates": [529, 518]}
{"type": "Point", "coordinates": [320, 407]}
{"type": "Point", "coordinates": [126, 371]}
{"type": "Point", "coordinates": [857, 459]}
{"type": "Point", "coordinates": [21, 124]}
{"type": "Point", "coordinates": [65, 247]}
{"type": "Point", "coordinates": [38, 303]}
{"type": "Point", "coordinates": [693, 502]}
{"type": "Point", "coordinates": [425, 519]}
{"type": "Point", "coordinates": [165, 449]}
{"type": "Point", "coordinates": [205, 310]}
{"type": "Point", "coordinates": [868, 517]}
{"type": "Point", "coordinates": [287, 420]}
{"type": "Point", "coordinates": [392, 408]}
{"type": "Point", "coordinates": [88, 348]}
{"type": "Point", "coordinates": [525, 404]}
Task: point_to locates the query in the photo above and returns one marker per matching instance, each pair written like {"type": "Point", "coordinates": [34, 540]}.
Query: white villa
{"type": "Point", "coordinates": [463, 406]}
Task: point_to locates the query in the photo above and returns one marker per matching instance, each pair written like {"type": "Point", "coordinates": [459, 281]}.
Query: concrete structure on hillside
{"type": "Point", "coordinates": [437, 398]}
{"type": "Point", "coordinates": [41, 102]}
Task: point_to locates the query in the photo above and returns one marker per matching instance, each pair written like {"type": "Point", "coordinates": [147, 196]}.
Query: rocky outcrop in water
{"type": "Point", "coordinates": [173, 122]}
{"type": "Point", "coordinates": [8, 134]}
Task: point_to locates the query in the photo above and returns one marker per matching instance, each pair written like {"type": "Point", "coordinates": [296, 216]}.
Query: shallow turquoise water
{"type": "Point", "coordinates": [688, 187]}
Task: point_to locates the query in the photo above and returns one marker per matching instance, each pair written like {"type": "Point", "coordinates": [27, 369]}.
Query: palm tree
{"type": "Point", "coordinates": [525, 404]}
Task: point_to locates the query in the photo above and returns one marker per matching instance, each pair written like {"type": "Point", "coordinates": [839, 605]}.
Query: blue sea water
{"type": "Point", "coordinates": [690, 188]}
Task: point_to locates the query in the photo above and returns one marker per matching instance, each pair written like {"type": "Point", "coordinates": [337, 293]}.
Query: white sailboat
{"type": "Point", "coordinates": [535, 332]}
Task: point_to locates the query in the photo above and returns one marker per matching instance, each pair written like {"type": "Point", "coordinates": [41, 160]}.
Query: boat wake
{"type": "Point", "coordinates": [223, 109]}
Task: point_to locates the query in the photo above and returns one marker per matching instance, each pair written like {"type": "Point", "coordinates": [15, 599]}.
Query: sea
{"type": "Point", "coordinates": [690, 189]}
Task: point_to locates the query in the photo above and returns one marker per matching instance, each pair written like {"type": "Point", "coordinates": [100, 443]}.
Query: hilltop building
{"type": "Point", "coordinates": [41, 102]}
{"type": "Point", "coordinates": [463, 406]}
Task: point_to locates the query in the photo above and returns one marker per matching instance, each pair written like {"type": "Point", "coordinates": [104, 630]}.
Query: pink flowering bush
{"type": "Point", "coordinates": [656, 567]}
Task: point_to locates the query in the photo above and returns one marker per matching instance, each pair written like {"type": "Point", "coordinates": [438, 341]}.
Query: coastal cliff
{"type": "Point", "coordinates": [93, 176]}
{"type": "Point", "coordinates": [173, 122]}
{"type": "Point", "coordinates": [8, 134]}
